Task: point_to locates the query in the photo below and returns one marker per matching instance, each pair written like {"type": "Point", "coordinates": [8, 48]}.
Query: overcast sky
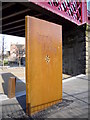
{"type": "Point", "coordinates": [88, 5]}
{"type": "Point", "coordinates": [8, 39]}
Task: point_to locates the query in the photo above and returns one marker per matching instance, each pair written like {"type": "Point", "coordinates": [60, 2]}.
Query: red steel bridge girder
{"type": "Point", "coordinates": [73, 11]}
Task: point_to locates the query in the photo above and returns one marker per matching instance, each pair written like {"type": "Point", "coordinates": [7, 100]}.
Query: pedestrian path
{"type": "Point", "coordinates": [74, 104]}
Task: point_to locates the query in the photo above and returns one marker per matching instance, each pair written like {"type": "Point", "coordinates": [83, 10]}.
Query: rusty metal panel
{"type": "Point", "coordinates": [11, 87]}
{"type": "Point", "coordinates": [43, 64]}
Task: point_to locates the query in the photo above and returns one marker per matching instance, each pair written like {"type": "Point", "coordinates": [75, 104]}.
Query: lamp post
{"type": "Point", "coordinates": [3, 52]}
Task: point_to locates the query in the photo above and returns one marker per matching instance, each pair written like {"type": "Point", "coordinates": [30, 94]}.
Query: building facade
{"type": "Point", "coordinates": [17, 51]}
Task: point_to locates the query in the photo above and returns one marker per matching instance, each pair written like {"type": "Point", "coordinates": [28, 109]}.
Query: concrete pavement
{"type": "Point", "coordinates": [19, 73]}
{"type": "Point", "coordinates": [74, 105]}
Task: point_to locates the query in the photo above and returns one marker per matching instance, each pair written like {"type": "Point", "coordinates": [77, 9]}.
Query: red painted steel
{"type": "Point", "coordinates": [73, 11]}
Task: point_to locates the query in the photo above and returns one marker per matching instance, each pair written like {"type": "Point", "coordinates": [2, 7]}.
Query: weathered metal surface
{"type": "Point", "coordinates": [74, 11]}
{"type": "Point", "coordinates": [11, 87]}
{"type": "Point", "coordinates": [43, 64]}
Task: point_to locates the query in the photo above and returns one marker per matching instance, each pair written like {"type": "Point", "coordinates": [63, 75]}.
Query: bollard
{"type": "Point", "coordinates": [11, 87]}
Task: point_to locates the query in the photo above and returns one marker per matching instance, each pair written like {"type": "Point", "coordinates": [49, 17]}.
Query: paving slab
{"type": "Point", "coordinates": [74, 104]}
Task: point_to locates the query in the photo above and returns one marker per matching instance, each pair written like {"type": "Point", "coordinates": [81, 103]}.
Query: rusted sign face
{"type": "Point", "coordinates": [43, 64]}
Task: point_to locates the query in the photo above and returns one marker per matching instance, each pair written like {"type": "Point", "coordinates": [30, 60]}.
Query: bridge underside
{"type": "Point", "coordinates": [74, 39]}
{"type": "Point", "coordinates": [13, 17]}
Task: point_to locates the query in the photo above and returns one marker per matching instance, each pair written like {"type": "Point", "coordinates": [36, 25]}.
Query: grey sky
{"type": "Point", "coordinates": [8, 39]}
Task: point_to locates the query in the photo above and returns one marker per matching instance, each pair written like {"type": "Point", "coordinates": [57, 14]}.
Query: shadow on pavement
{"type": "Point", "coordinates": [6, 77]}
{"type": "Point", "coordinates": [20, 86]}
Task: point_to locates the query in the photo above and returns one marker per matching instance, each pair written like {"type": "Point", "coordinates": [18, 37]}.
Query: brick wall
{"type": "Point", "coordinates": [74, 51]}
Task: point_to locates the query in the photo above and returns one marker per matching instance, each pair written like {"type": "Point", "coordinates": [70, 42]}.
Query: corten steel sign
{"type": "Point", "coordinates": [43, 64]}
